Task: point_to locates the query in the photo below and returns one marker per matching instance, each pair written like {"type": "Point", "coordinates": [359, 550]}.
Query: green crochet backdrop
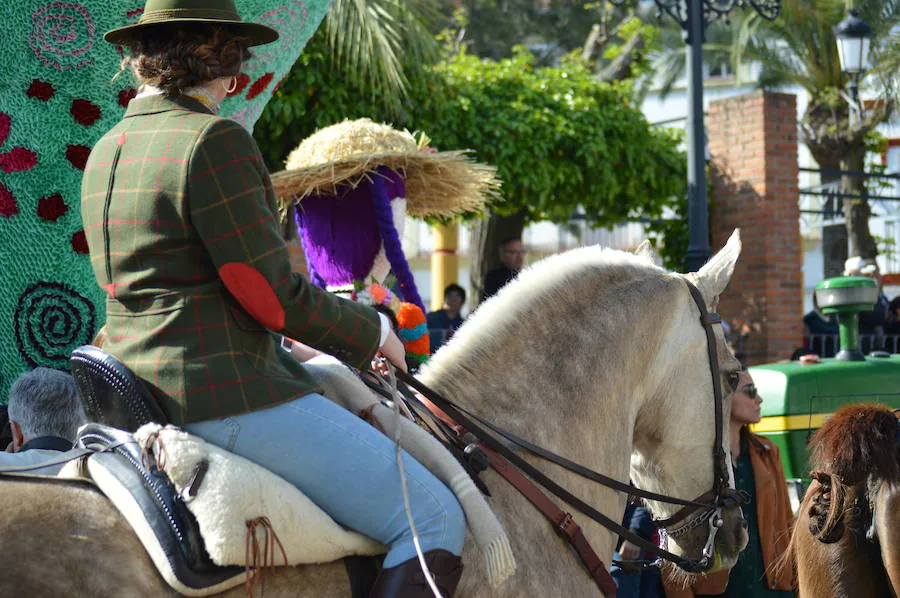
{"type": "Point", "coordinates": [56, 99]}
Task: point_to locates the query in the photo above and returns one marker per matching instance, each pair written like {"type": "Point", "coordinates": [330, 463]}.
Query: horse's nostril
{"type": "Point", "coordinates": [744, 523]}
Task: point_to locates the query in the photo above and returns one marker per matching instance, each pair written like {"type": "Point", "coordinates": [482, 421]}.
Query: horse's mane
{"type": "Point", "coordinates": [543, 289]}
{"type": "Point", "coordinates": [856, 442]}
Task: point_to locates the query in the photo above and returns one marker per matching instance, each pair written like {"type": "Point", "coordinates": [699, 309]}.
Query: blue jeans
{"type": "Point", "coordinates": [628, 585]}
{"type": "Point", "coordinates": [348, 468]}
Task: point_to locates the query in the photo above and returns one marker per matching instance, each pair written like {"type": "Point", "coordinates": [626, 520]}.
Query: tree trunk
{"type": "Point", "coordinates": [834, 236]}
{"type": "Point", "coordinates": [857, 211]}
{"type": "Point", "coordinates": [484, 239]}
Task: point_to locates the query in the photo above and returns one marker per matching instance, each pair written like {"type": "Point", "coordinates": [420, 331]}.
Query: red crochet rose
{"type": "Point", "coordinates": [79, 242]}
{"type": "Point", "coordinates": [84, 112]}
{"type": "Point", "coordinates": [18, 159]}
{"type": "Point", "coordinates": [78, 155]}
{"type": "Point", "coordinates": [125, 96]}
{"type": "Point", "coordinates": [5, 126]}
{"type": "Point", "coordinates": [40, 90]}
{"type": "Point", "coordinates": [260, 85]}
{"type": "Point", "coordinates": [8, 206]}
{"type": "Point", "coordinates": [52, 208]}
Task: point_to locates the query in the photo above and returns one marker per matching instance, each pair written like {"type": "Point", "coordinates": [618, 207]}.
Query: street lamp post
{"type": "Point", "coordinates": [854, 37]}
{"type": "Point", "coordinates": [694, 16]}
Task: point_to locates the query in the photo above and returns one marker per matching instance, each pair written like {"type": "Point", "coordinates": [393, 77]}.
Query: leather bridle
{"type": "Point", "coordinates": [720, 496]}
{"type": "Point", "coordinates": [472, 429]}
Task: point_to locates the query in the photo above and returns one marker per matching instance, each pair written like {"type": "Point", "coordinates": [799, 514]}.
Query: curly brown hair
{"type": "Point", "coordinates": [174, 58]}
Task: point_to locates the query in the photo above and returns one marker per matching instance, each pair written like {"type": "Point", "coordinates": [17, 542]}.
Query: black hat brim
{"type": "Point", "coordinates": [257, 33]}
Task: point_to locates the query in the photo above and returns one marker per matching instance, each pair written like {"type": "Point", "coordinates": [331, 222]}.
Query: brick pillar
{"type": "Point", "coordinates": [753, 143]}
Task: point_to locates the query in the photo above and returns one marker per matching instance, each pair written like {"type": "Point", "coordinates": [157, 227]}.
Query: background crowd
{"type": "Point", "coordinates": [878, 328]}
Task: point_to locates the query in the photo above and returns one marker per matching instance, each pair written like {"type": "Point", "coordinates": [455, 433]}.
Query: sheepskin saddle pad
{"type": "Point", "coordinates": [209, 518]}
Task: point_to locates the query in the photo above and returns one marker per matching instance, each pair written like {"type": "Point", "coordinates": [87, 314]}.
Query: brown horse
{"type": "Point", "coordinates": [597, 355]}
{"type": "Point", "coordinates": [846, 540]}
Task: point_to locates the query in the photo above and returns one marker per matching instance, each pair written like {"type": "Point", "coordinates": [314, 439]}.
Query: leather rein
{"type": "Point", "coordinates": [470, 433]}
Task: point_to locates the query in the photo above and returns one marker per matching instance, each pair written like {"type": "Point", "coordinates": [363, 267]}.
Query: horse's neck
{"type": "Point", "coordinates": [887, 513]}
{"type": "Point", "coordinates": [848, 568]}
{"type": "Point", "coordinates": [578, 422]}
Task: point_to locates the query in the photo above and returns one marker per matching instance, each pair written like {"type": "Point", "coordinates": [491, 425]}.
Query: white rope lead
{"type": "Point", "coordinates": [405, 486]}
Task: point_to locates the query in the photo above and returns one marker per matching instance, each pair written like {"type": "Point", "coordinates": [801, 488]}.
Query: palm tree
{"type": "Point", "coordinates": [670, 60]}
{"type": "Point", "coordinates": [799, 48]}
{"type": "Point", "coordinates": [371, 41]}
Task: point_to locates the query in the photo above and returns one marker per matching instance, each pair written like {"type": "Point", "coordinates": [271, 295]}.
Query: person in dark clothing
{"type": "Point", "coordinates": [893, 327]}
{"type": "Point", "coordinates": [646, 583]}
{"type": "Point", "coordinates": [44, 416]}
{"type": "Point", "coordinates": [445, 321]}
{"type": "Point", "coordinates": [5, 430]}
{"type": "Point", "coordinates": [871, 322]}
{"type": "Point", "coordinates": [821, 333]}
{"type": "Point", "coordinates": [512, 256]}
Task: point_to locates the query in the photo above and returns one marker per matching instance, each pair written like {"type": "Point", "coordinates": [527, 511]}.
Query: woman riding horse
{"type": "Point", "coordinates": [180, 219]}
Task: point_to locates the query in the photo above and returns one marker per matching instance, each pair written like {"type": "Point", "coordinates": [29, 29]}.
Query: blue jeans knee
{"type": "Point", "coordinates": [349, 469]}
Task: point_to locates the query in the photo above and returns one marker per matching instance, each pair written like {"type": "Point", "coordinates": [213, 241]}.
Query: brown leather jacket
{"type": "Point", "coordinates": [772, 506]}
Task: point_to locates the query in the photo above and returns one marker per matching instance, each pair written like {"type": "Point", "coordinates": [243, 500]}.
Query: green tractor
{"type": "Point", "coordinates": [800, 395]}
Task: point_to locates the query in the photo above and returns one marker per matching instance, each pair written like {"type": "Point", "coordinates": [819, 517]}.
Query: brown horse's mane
{"type": "Point", "coordinates": [856, 443]}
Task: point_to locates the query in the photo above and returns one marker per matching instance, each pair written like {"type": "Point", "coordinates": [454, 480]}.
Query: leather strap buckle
{"type": "Point", "coordinates": [565, 526]}
{"type": "Point", "coordinates": [476, 457]}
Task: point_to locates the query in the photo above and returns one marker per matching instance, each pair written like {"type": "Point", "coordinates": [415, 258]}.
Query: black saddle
{"type": "Point", "coordinates": [110, 392]}
{"type": "Point", "coordinates": [117, 403]}
{"type": "Point", "coordinates": [175, 544]}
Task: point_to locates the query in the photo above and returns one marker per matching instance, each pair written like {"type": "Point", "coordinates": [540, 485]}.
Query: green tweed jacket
{"type": "Point", "coordinates": [180, 220]}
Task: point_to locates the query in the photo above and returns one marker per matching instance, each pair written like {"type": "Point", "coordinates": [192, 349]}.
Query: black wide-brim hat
{"type": "Point", "coordinates": [214, 12]}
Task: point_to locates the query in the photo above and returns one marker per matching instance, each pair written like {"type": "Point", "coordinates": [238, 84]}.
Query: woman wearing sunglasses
{"type": "Point", "coordinates": [757, 471]}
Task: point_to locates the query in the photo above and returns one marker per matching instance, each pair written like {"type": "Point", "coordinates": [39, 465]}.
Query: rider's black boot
{"type": "Point", "coordinates": [407, 580]}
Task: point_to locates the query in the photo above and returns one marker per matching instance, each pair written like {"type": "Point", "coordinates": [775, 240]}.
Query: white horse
{"type": "Point", "coordinates": [595, 354]}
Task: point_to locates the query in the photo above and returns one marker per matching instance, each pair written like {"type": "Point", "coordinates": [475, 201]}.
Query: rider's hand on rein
{"type": "Point", "coordinates": [393, 351]}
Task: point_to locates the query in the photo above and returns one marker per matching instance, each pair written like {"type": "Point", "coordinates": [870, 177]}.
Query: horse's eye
{"type": "Point", "coordinates": [733, 379]}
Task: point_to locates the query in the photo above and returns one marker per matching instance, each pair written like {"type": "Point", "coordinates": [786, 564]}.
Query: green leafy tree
{"type": "Point", "coordinates": [800, 48]}
{"type": "Point", "coordinates": [551, 28]}
{"type": "Point", "coordinates": [563, 141]}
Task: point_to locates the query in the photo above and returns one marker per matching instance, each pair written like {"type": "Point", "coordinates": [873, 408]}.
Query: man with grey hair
{"type": "Point", "coordinates": [44, 417]}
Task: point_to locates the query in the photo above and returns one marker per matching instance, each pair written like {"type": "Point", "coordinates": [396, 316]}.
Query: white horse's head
{"type": "Point", "coordinates": [592, 353]}
{"type": "Point", "coordinates": [677, 458]}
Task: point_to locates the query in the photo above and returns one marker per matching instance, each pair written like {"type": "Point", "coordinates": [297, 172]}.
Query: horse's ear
{"type": "Point", "coordinates": [646, 252]}
{"type": "Point", "coordinates": [713, 277]}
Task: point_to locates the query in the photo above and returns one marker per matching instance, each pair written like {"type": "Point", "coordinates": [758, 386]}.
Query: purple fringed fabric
{"type": "Point", "coordinates": [385, 185]}
{"type": "Point", "coordinates": [314, 275]}
{"type": "Point", "coordinates": [340, 237]}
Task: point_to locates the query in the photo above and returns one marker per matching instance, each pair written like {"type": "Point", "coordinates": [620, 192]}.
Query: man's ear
{"type": "Point", "coordinates": [18, 439]}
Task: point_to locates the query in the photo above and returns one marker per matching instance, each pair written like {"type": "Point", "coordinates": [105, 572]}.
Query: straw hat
{"type": "Point", "coordinates": [437, 183]}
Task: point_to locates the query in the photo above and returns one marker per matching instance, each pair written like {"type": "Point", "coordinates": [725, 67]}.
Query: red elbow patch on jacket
{"type": "Point", "coordinates": [254, 293]}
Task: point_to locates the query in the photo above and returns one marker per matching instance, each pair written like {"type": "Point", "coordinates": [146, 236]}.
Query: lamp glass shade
{"type": "Point", "coordinates": [854, 54]}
